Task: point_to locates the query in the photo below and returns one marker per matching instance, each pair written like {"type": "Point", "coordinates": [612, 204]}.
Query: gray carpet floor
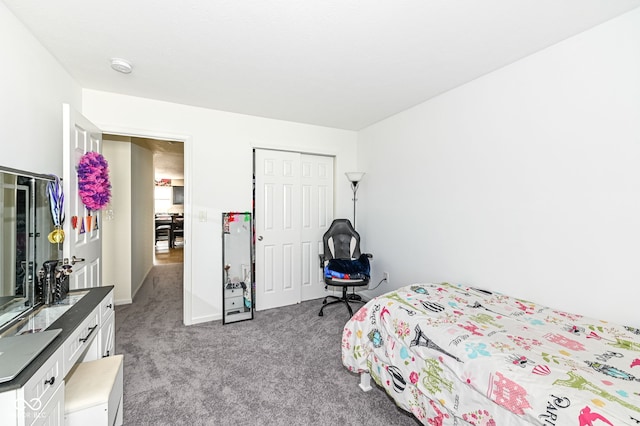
{"type": "Point", "coordinates": [281, 368]}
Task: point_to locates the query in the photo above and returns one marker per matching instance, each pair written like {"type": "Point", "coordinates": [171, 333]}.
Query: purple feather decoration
{"type": "Point", "coordinates": [94, 187]}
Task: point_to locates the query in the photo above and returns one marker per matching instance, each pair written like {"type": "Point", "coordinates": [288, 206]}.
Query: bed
{"type": "Point", "coordinates": [456, 355]}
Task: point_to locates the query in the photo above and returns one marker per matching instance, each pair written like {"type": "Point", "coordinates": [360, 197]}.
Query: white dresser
{"type": "Point", "coordinates": [233, 300]}
{"type": "Point", "coordinates": [36, 395]}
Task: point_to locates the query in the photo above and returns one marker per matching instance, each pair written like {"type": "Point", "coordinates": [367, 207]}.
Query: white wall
{"type": "Point", "coordinates": [524, 181]}
{"type": "Point", "coordinates": [127, 245]}
{"type": "Point", "coordinates": [142, 220]}
{"type": "Point", "coordinates": [33, 86]}
{"type": "Point", "coordinates": [116, 231]}
{"type": "Point", "coordinates": [218, 152]}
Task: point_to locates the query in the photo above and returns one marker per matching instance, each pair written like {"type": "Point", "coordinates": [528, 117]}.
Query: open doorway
{"type": "Point", "coordinates": [136, 164]}
{"type": "Point", "coordinates": [168, 206]}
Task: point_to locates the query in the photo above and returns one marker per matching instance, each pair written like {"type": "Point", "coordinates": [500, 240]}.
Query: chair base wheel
{"type": "Point", "coordinates": [345, 300]}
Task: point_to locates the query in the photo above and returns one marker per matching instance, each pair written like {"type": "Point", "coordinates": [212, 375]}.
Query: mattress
{"type": "Point", "coordinates": [455, 355]}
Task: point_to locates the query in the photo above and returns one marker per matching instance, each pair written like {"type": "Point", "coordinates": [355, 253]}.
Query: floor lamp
{"type": "Point", "coordinates": [354, 178]}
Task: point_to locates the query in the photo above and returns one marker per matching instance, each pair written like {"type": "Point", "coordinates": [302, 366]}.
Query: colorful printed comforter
{"type": "Point", "coordinates": [454, 355]}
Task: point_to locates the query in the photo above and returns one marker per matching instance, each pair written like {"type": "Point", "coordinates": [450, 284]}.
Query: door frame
{"type": "Point", "coordinates": [187, 140]}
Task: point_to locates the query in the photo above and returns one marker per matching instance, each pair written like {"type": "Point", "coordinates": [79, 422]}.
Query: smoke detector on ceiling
{"type": "Point", "coordinates": [121, 65]}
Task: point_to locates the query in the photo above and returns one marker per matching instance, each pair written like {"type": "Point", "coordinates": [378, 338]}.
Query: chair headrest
{"type": "Point", "coordinates": [341, 241]}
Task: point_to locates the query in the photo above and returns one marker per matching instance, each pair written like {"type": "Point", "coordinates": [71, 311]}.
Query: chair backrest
{"type": "Point", "coordinates": [341, 241]}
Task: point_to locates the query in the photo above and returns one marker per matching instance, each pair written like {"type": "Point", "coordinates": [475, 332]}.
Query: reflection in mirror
{"type": "Point", "coordinates": [25, 223]}
{"type": "Point", "coordinates": [237, 271]}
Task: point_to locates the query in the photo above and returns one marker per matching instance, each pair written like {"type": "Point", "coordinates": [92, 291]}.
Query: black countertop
{"type": "Point", "coordinates": [68, 322]}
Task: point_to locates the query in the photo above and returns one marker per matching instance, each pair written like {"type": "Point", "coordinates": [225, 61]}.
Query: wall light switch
{"type": "Point", "coordinates": [202, 215]}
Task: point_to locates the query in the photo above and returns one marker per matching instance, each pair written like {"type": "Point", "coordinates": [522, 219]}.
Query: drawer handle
{"type": "Point", "coordinates": [90, 331]}
{"type": "Point", "coordinates": [51, 381]}
{"type": "Point", "coordinates": [109, 306]}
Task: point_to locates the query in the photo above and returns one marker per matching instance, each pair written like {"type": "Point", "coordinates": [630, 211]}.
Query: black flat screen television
{"type": "Point", "coordinates": [178, 195]}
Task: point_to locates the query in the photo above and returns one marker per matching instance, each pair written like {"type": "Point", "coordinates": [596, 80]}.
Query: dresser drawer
{"type": "Point", "coordinates": [107, 307]}
{"type": "Point", "coordinates": [233, 292]}
{"type": "Point", "coordinates": [234, 303]}
{"type": "Point", "coordinates": [80, 339]}
{"type": "Point", "coordinates": [41, 386]}
{"type": "Point", "coordinates": [107, 336]}
{"type": "Point", "coordinates": [53, 411]}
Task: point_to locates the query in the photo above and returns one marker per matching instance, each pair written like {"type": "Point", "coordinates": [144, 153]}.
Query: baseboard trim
{"type": "Point", "coordinates": [123, 301]}
{"type": "Point", "coordinates": [205, 318]}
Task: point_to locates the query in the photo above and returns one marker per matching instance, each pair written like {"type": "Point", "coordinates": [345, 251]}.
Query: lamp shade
{"type": "Point", "coordinates": [354, 177]}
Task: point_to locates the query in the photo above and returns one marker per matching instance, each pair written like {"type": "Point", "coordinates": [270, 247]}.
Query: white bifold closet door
{"type": "Point", "coordinates": [294, 208]}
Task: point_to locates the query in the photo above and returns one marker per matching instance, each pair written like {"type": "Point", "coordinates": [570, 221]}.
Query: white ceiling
{"type": "Point", "coordinates": [337, 63]}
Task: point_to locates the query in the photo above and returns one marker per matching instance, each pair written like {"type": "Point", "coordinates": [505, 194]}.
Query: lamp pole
{"type": "Point", "coordinates": [354, 187]}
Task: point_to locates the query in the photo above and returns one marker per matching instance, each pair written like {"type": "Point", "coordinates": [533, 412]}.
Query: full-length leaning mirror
{"type": "Point", "coordinates": [25, 221]}
{"type": "Point", "coordinates": [237, 267]}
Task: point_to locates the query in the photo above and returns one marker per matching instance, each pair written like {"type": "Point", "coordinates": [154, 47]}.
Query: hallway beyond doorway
{"type": "Point", "coordinates": [164, 255]}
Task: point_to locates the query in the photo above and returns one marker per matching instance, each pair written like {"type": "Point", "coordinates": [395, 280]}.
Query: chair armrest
{"type": "Point", "coordinates": [322, 260]}
{"type": "Point", "coordinates": [369, 255]}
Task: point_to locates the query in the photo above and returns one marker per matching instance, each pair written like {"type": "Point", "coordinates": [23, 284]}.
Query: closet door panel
{"type": "Point", "coordinates": [277, 243]}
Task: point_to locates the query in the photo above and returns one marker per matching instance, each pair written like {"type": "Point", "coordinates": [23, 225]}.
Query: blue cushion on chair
{"type": "Point", "coordinates": [350, 266]}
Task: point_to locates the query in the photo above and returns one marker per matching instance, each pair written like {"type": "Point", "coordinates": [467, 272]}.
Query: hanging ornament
{"type": "Point", "coordinates": [56, 205]}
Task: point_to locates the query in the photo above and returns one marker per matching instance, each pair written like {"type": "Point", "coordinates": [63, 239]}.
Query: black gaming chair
{"type": "Point", "coordinates": [343, 263]}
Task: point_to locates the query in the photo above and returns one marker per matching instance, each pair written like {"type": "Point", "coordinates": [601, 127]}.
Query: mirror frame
{"type": "Point", "coordinates": [36, 239]}
{"type": "Point", "coordinates": [245, 289]}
